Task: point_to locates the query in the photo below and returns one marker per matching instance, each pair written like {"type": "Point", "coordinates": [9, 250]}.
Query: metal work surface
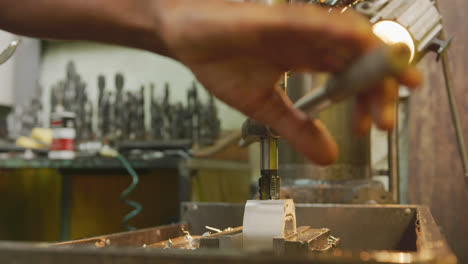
{"type": "Point", "coordinates": [387, 227]}
{"type": "Point", "coordinates": [385, 223]}
{"type": "Point", "coordinates": [378, 228]}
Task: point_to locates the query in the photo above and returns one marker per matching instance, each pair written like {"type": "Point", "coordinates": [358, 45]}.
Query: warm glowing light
{"type": "Point", "coordinates": [392, 33]}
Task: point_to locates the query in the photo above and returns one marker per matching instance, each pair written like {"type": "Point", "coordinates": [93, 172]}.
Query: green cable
{"type": "Point", "coordinates": [126, 193]}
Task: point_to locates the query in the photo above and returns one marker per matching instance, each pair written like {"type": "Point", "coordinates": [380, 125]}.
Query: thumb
{"type": "Point", "coordinates": [307, 136]}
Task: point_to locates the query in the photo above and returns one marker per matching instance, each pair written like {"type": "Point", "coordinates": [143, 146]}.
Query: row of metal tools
{"type": "Point", "coordinates": [121, 114]}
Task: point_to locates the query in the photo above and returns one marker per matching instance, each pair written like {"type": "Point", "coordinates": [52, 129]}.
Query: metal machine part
{"type": "Point", "coordinates": [269, 182]}
{"type": "Point", "coordinates": [365, 191]}
{"type": "Point", "coordinates": [421, 18]}
{"type": "Point", "coordinates": [393, 159]}
{"type": "Point", "coordinates": [231, 238]}
{"type": "Point", "coordinates": [305, 241]}
{"type": "Point", "coordinates": [423, 21]}
{"type": "Point", "coordinates": [455, 115]}
{"type": "Point", "coordinates": [265, 220]}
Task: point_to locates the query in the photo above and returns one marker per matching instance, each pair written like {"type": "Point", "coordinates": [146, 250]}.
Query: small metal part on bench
{"type": "Point", "coordinates": [306, 240]}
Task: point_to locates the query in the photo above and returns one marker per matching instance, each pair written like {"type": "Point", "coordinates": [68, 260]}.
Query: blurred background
{"type": "Point", "coordinates": [182, 142]}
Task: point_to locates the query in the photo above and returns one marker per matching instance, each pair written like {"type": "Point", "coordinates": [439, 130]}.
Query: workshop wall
{"type": "Point", "coordinates": [18, 75]}
{"type": "Point", "coordinates": [138, 67]}
{"type": "Point", "coordinates": [6, 72]}
{"type": "Point", "coordinates": [436, 175]}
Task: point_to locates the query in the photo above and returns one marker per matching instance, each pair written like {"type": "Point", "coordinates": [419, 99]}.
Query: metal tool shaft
{"type": "Point", "coordinates": [269, 181]}
{"type": "Point", "coordinates": [363, 75]}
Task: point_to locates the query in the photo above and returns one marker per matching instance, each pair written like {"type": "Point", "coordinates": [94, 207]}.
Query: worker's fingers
{"type": "Point", "coordinates": [316, 39]}
{"type": "Point", "coordinates": [411, 77]}
{"type": "Point", "coordinates": [362, 119]}
{"type": "Point", "coordinates": [384, 103]}
{"type": "Point", "coordinates": [309, 137]}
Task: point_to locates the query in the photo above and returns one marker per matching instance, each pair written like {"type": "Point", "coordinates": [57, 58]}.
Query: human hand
{"type": "Point", "coordinates": [239, 51]}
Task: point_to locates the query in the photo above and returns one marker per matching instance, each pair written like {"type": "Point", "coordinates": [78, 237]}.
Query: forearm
{"type": "Point", "coordinates": [134, 23]}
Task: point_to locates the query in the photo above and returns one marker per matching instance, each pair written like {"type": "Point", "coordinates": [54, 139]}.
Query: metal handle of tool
{"type": "Point", "coordinates": [361, 76]}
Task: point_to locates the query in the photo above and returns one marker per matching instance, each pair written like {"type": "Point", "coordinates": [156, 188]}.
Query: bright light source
{"type": "Point", "coordinates": [392, 33]}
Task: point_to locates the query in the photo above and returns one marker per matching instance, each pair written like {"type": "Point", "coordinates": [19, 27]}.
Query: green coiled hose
{"type": "Point", "coordinates": [126, 193]}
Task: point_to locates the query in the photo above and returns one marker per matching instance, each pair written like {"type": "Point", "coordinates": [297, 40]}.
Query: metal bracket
{"type": "Point", "coordinates": [440, 47]}
{"type": "Point", "coordinates": [253, 131]}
